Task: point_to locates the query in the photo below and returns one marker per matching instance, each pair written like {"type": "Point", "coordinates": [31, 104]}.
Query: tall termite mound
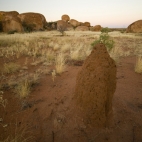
{"type": "Point", "coordinates": [95, 86]}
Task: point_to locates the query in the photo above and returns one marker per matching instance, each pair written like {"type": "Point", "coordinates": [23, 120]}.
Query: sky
{"type": "Point", "coordinates": [107, 13]}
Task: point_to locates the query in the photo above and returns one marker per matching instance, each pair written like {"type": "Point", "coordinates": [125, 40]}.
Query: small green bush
{"type": "Point", "coordinates": [105, 39]}
{"type": "Point", "coordinates": [105, 30]}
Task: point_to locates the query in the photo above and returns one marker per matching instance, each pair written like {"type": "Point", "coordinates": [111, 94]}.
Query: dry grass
{"type": "Point", "coordinates": [10, 67]}
{"type": "Point", "coordinates": [50, 49]}
{"type": "Point", "coordinates": [23, 89]}
{"type": "Point", "coordinates": [60, 63]}
{"type": "Point", "coordinates": [45, 49]}
{"type": "Point", "coordinates": [138, 66]}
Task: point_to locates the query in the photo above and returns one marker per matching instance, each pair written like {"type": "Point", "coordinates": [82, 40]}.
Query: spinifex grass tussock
{"type": "Point", "coordinates": [56, 47]}
{"type": "Point", "coordinates": [65, 47]}
{"type": "Point", "coordinates": [23, 89]}
{"type": "Point", "coordinates": [138, 66]}
{"type": "Point", "coordinates": [60, 63]}
{"type": "Point", "coordinates": [47, 57]}
{"type": "Point", "coordinates": [80, 52]}
{"type": "Point", "coordinates": [53, 75]}
{"type": "Point", "coordinates": [116, 53]}
{"type": "Point", "coordinates": [10, 68]}
{"type": "Point", "coordinates": [75, 54]}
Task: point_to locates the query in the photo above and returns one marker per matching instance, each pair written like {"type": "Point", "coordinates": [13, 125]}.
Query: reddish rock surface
{"type": "Point", "coordinates": [135, 27]}
{"type": "Point", "coordinates": [10, 21]}
{"type": "Point", "coordinates": [95, 87]}
{"type": "Point", "coordinates": [65, 18]}
{"type": "Point", "coordinates": [74, 23]}
{"type": "Point", "coordinates": [70, 27]}
{"type": "Point", "coordinates": [11, 13]}
{"type": "Point", "coordinates": [61, 25]}
{"type": "Point", "coordinates": [35, 21]}
{"type": "Point", "coordinates": [82, 28]}
{"type": "Point", "coordinates": [96, 28]}
{"type": "Point", "coordinates": [86, 24]}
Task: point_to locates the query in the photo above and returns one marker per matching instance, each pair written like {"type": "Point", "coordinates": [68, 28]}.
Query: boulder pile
{"type": "Point", "coordinates": [30, 21]}
{"type": "Point", "coordinates": [10, 21]}
{"type": "Point", "coordinates": [13, 21]}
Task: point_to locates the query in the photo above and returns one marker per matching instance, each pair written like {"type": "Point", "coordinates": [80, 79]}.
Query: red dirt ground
{"type": "Point", "coordinates": [49, 114]}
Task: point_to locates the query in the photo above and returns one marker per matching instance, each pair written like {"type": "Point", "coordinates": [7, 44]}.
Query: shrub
{"type": "Point", "coordinates": [105, 30]}
{"type": "Point", "coordinates": [104, 39]}
{"type": "Point", "coordinates": [62, 30]}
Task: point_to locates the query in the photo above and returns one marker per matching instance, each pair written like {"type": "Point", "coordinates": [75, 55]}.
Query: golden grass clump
{"type": "Point", "coordinates": [10, 67]}
{"type": "Point", "coordinates": [60, 63]}
{"type": "Point", "coordinates": [23, 89]}
{"type": "Point", "coordinates": [138, 66]}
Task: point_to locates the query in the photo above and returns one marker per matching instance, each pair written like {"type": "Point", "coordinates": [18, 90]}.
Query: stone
{"type": "Point", "coordinates": [61, 25]}
{"type": "Point", "coordinates": [135, 27]}
{"type": "Point", "coordinates": [10, 21]}
{"type": "Point", "coordinates": [74, 23]}
{"type": "Point", "coordinates": [95, 87]}
{"type": "Point", "coordinates": [87, 24]}
{"type": "Point", "coordinates": [70, 27]}
{"type": "Point", "coordinates": [32, 21]}
{"type": "Point", "coordinates": [65, 18]}
{"type": "Point", "coordinates": [96, 28]}
{"type": "Point", "coordinates": [82, 28]}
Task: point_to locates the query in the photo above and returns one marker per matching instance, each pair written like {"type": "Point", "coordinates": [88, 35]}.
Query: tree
{"type": "Point", "coordinates": [61, 26]}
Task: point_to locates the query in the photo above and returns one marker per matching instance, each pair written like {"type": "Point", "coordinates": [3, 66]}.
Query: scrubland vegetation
{"type": "Point", "coordinates": [20, 53]}
{"type": "Point", "coordinates": [25, 58]}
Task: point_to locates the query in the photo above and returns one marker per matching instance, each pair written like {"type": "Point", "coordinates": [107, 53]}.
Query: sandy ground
{"type": "Point", "coordinates": [49, 114]}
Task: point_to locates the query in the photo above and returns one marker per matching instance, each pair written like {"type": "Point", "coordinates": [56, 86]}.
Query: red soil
{"type": "Point", "coordinates": [49, 114]}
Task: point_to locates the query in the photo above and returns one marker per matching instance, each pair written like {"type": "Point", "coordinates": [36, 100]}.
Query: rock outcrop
{"type": "Point", "coordinates": [135, 27]}
{"type": "Point", "coordinates": [32, 21]}
{"type": "Point", "coordinates": [82, 28]}
{"type": "Point", "coordinates": [96, 28]}
{"type": "Point", "coordinates": [61, 25]}
{"type": "Point", "coordinates": [9, 13]}
{"type": "Point", "coordinates": [87, 24]}
{"type": "Point", "coordinates": [95, 87]}
{"type": "Point", "coordinates": [70, 27]}
{"type": "Point", "coordinates": [65, 18]}
{"type": "Point", "coordinates": [51, 26]}
{"type": "Point", "coordinates": [74, 23]}
{"type": "Point", "coordinates": [10, 21]}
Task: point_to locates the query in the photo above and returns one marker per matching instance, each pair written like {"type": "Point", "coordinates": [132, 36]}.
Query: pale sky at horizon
{"type": "Point", "coordinates": [107, 13]}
